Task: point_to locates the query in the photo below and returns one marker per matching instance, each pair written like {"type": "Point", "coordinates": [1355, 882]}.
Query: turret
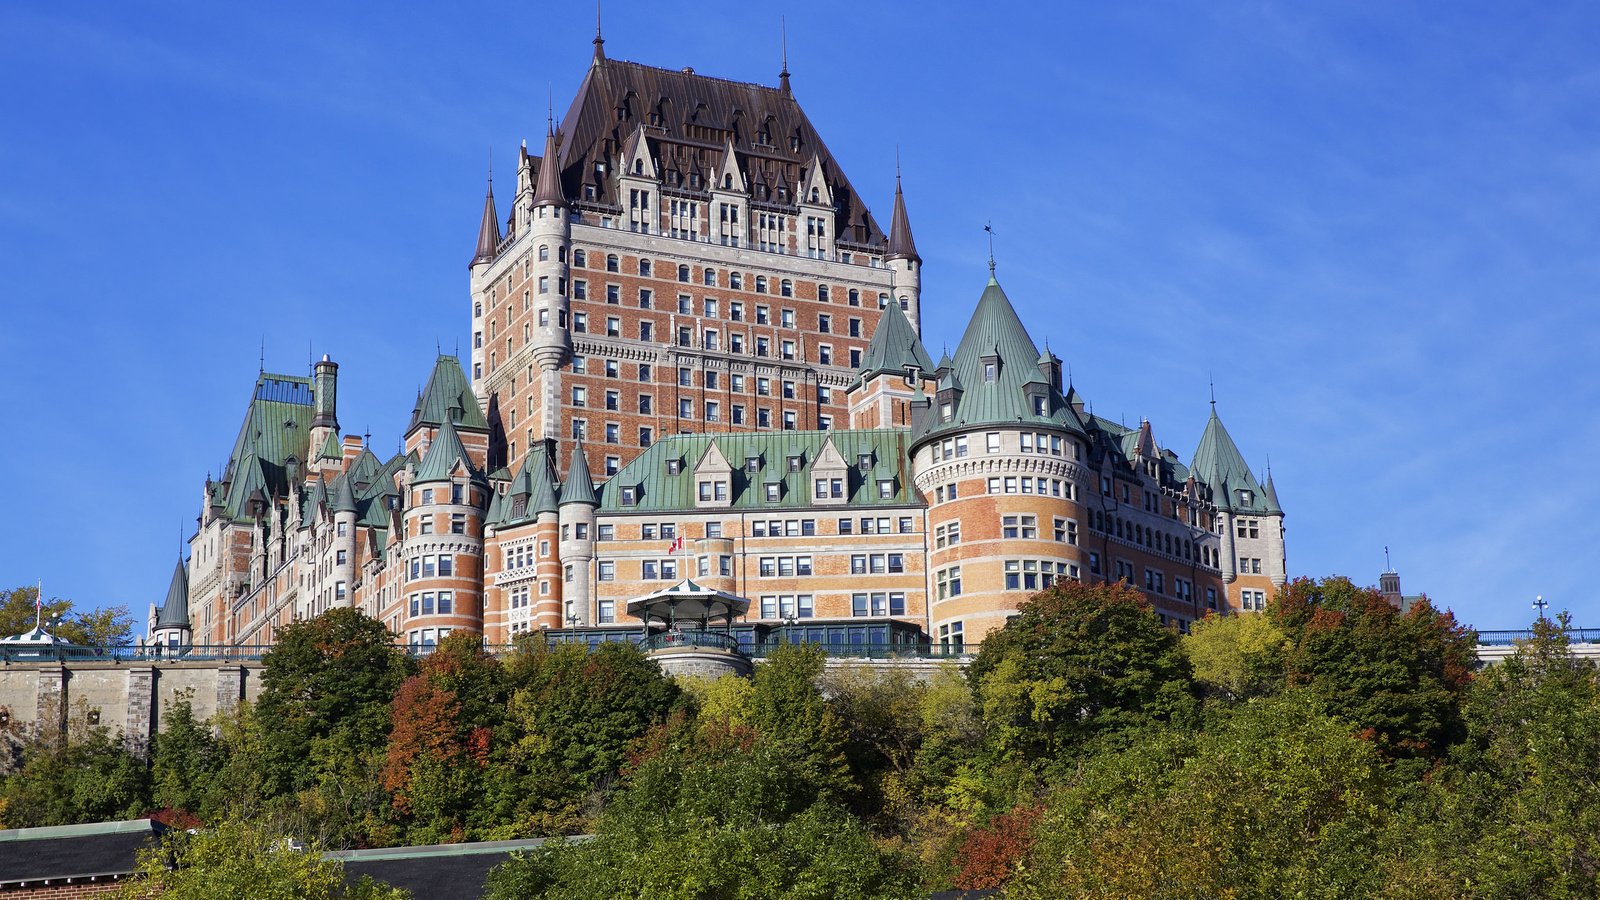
{"type": "Point", "coordinates": [576, 514]}
{"type": "Point", "coordinates": [345, 513]}
{"type": "Point", "coordinates": [170, 627]}
{"type": "Point", "coordinates": [488, 233]}
{"type": "Point", "coordinates": [550, 234]}
{"type": "Point", "coordinates": [903, 260]}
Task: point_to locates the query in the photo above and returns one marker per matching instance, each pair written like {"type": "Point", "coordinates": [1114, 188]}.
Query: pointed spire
{"type": "Point", "coordinates": [548, 190]}
{"type": "Point", "coordinates": [901, 244]}
{"type": "Point", "coordinates": [579, 486]}
{"type": "Point", "coordinates": [489, 228]}
{"type": "Point", "coordinates": [599, 41]}
{"type": "Point", "coordinates": [1218, 462]}
{"type": "Point", "coordinates": [783, 76]}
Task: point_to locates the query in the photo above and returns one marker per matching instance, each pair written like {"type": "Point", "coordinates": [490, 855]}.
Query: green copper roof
{"type": "Point", "coordinates": [443, 455]}
{"type": "Point", "coordinates": [658, 490]}
{"type": "Point", "coordinates": [174, 610]}
{"type": "Point", "coordinates": [532, 489]}
{"type": "Point", "coordinates": [276, 429]}
{"type": "Point", "coordinates": [331, 448]}
{"type": "Point", "coordinates": [1005, 394]}
{"type": "Point", "coordinates": [448, 389]}
{"type": "Point", "coordinates": [1218, 463]}
{"type": "Point", "coordinates": [1271, 492]}
{"type": "Point", "coordinates": [579, 486]}
{"type": "Point", "coordinates": [895, 347]}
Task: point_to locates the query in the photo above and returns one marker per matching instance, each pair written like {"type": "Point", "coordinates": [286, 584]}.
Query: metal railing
{"type": "Point", "coordinates": [192, 653]}
{"type": "Point", "coordinates": [687, 638]}
{"type": "Point", "coordinates": [1506, 638]}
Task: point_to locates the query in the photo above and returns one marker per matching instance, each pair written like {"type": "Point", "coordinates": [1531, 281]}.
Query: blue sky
{"type": "Point", "coordinates": [1374, 225]}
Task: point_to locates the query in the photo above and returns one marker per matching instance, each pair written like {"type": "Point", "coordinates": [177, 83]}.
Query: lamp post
{"type": "Point", "coordinates": [1540, 604]}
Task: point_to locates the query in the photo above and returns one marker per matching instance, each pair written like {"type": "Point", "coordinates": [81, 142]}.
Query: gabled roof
{"type": "Point", "coordinates": [1218, 463]}
{"type": "Point", "coordinates": [996, 335]}
{"type": "Point", "coordinates": [444, 454]}
{"type": "Point", "coordinates": [894, 348]}
{"type": "Point", "coordinates": [448, 389]}
{"type": "Point", "coordinates": [687, 115]}
{"type": "Point", "coordinates": [532, 489]}
{"type": "Point", "coordinates": [658, 491]}
{"type": "Point", "coordinates": [174, 611]}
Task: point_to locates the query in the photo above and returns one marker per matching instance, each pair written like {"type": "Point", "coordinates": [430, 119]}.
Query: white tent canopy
{"type": "Point", "coordinates": [688, 602]}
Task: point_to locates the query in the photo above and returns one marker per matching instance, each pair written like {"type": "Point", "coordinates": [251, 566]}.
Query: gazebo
{"type": "Point", "coordinates": [684, 642]}
{"type": "Point", "coordinates": [37, 643]}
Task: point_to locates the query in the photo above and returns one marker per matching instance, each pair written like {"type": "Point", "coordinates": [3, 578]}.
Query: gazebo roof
{"type": "Point", "coordinates": [35, 637]}
{"type": "Point", "coordinates": [687, 600]}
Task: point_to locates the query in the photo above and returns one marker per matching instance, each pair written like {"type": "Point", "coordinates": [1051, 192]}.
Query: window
{"type": "Point", "coordinates": [1024, 527]}
{"type": "Point", "coordinates": [946, 535]}
{"type": "Point", "coordinates": [947, 583]}
{"type": "Point", "coordinates": [951, 637]}
{"type": "Point", "coordinates": [683, 273]}
{"type": "Point", "coordinates": [611, 262]}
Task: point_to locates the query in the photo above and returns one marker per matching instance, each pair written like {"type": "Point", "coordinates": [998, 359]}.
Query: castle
{"type": "Point", "coordinates": [695, 354]}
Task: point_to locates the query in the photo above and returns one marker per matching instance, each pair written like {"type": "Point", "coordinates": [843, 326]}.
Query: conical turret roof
{"type": "Point", "coordinates": [344, 496]}
{"type": "Point", "coordinates": [488, 230]}
{"type": "Point", "coordinates": [547, 191]}
{"type": "Point", "coordinates": [1271, 492]}
{"type": "Point", "coordinates": [443, 454]}
{"type": "Point", "coordinates": [579, 486]}
{"type": "Point", "coordinates": [448, 389]}
{"type": "Point", "coordinates": [901, 244]}
{"type": "Point", "coordinates": [895, 347]}
{"type": "Point", "coordinates": [1013, 391]}
{"type": "Point", "coordinates": [174, 611]}
{"type": "Point", "coordinates": [1218, 462]}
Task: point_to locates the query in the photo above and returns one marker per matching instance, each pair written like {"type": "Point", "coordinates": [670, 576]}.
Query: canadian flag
{"type": "Point", "coordinates": [677, 545]}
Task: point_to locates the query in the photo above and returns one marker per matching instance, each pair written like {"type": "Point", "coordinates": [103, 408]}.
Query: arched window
{"type": "Point", "coordinates": [611, 262]}
{"type": "Point", "coordinates": [477, 310]}
{"type": "Point", "coordinates": [761, 284]}
{"type": "Point", "coordinates": [579, 259]}
{"type": "Point", "coordinates": [544, 252]}
{"type": "Point", "coordinates": [711, 278]}
{"type": "Point", "coordinates": [786, 288]}
{"type": "Point", "coordinates": [683, 274]}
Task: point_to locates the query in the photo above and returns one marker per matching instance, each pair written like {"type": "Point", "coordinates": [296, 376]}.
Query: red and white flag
{"type": "Point", "coordinates": [677, 545]}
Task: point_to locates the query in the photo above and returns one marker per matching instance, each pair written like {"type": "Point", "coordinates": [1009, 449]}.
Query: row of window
{"type": "Point", "coordinates": [1036, 574]}
{"type": "Point", "coordinates": [427, 603]}
{"type": "Point", "coordinates": [1027, 484]}
{"type": "Point", "coordinates": [431, 565]}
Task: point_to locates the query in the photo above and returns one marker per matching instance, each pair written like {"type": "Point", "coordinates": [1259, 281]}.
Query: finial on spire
{"type": "Point", "coordinates": [1213, 394]}
{"type": "Point", "coordinates": [261, 364]}
{"type": "Point", "coordinates": [989, 227]}
{"type": "Point", "coordinates": [599, 40]}
{"type": "Point", "coordinates": [1387, 566]}
{"type": "Point", "coordinates": [783, 75]}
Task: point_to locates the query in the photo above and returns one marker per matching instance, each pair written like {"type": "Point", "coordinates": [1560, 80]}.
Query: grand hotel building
{"type": "Point", "coordinates": [696, 354]}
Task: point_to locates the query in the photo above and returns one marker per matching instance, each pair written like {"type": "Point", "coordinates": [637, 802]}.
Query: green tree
{"type": "Point", "coordinates": [1281, 800]}
{"type": "Point", "coordinates": [18, 613]}
{"type": "Point", "coordinates": [572, 715]}
{"type": "Point", "coordinates": [184, 759]}
{"type": "Point", "coordinates": [1236, 657]}
{"type": "Point", "coordinates": [713, 816]}
{"type": "Point", "coordinates": [326, 685]}
{"type": "Point", "coordinates": [788, 709]}
{"type": "Point", "coordinates": [1516, 810]}
{"type": "Point", "coordinates": [89, 777]}
{"type": "Point", "coordinates": [239, 860]}
{"type": "Point", "coordinates": [1399, 677]}
{"type": "Point", "coordinates": [107, 628]}
{"type": "Point", "coordinates": [1077, 663]}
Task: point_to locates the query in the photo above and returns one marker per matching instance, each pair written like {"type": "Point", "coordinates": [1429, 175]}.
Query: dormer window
{"type": "Point", "coordinates": [795, 463]}
{"type": "Point", "coordinates": [774, 491]}
{"type": "Point", "coordinates": [1041, 405]}
{"type": "Point", "coordinates": [630, 496]}
{"type": "Point", "coordinates": [638, 167]}
{"type": "Point", "coordinates": [1246, 498]}
{"type": "Point", "coordinates": [674, 466]}
{"type": "Point", "coordinates": [864, 461]}
{"type": "Point", "coordinates": [886, 488]}
{"type": "Point", "coordinates": [752, 464]}
{"type": "Point", "coordinates": [991, 368]}
{"type": "Point", "coordinates": [947, 411]}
